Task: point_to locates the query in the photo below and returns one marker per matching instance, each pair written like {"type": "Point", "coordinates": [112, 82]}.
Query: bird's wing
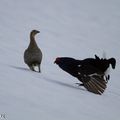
{"type": "Point", "coordinates": [95, 83]}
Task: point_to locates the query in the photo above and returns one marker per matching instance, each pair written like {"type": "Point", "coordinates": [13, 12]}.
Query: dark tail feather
{"type": "Point", "coordinates": [97, 58]}
{"type": "Point", "coordinates": [112, 61]}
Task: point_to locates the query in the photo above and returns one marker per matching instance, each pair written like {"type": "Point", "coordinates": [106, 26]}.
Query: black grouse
{"type": "Point", "coordinates": [33, 54]}
{"type": "Point", "coordinates": [90, 71]}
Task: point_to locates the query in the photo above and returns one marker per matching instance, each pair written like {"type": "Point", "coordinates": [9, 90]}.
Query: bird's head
{"type": "Point", "coordinates": [57, 60]}
{"type": "Point", "coordinates": [34, 32]}
{"type": "Point", "coordinates": [64, 61]}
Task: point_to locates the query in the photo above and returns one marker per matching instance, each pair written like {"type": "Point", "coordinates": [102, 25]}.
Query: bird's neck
{"type": "Point", "coordinates": [32, 42]}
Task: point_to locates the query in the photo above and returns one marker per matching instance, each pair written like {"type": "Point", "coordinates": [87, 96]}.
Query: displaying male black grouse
{"type": "Point", "coordinates": [90, 71]}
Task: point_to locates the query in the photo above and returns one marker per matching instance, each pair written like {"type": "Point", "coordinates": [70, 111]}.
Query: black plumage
{"type": "Point", "coordinates": [90, 71]}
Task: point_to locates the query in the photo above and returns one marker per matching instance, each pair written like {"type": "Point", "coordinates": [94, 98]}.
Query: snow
{"type": "Point", "coordinates": [72, 28]}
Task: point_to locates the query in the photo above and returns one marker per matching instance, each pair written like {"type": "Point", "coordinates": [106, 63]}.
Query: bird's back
{"type": "Point", "coordinates": [32, 55]}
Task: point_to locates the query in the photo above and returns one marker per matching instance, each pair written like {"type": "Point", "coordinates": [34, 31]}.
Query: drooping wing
{"type": "Point", "coordinates": [95, 83]}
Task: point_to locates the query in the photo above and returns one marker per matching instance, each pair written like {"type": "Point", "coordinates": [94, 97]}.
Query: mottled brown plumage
{"type": "Point", "coordinates": [33, 54]}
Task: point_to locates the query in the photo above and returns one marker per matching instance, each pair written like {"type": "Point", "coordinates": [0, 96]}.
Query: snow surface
{"type": "Point", "coordinates": [73, 28]}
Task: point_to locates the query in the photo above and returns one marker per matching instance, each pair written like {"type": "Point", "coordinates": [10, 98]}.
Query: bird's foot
{"type": "Point", "coordinates": [80, 84]}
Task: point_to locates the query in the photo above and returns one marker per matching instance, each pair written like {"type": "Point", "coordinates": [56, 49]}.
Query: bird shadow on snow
{"type": "Point", "coordinates": [63, 84]}
{"type": "Point", "coordinates": [19, 68]}
{"type": "Point", "coordinates": [51, 80]}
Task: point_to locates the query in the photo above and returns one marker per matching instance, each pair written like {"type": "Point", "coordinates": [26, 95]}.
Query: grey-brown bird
{"type": "Point", "coordinates": [33, 54]}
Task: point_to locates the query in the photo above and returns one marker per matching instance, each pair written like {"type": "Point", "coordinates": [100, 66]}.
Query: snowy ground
{"type": "Point", "coordinates": [73, 28]}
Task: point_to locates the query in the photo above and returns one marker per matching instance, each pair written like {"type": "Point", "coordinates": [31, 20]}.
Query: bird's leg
{"type": "Point", "coordinates": [80, 78]}
{"type": "Point", "coordinates": [107, 77]}
{"type": "Point", "coordinates": [35, 67]}
{"type": "Point", "coordinates": [32, 67]}
{"type": "Point", "coordinates": [39, 68]}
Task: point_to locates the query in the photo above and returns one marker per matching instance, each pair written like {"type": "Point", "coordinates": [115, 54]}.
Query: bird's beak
{"type": "Point", "coordinates": [38, 31]}
{"type": "Point", "coordinates": [55, 62]}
